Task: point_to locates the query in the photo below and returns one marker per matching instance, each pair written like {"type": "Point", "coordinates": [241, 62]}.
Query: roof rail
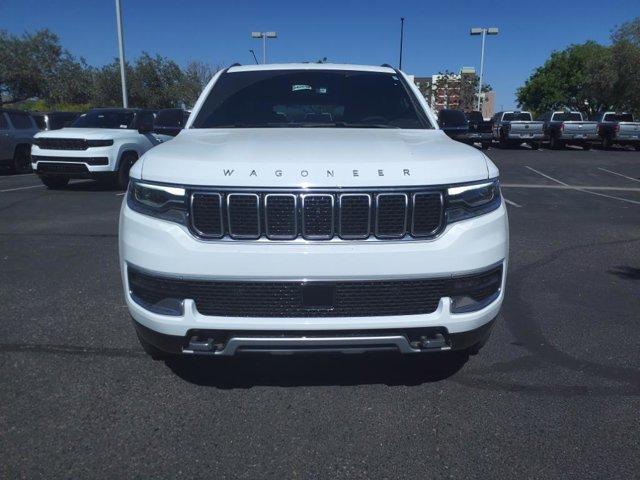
{"type": "Point", "coordinates": [235, 65]}
{"type": "Point", "coordinates": [387, 65]}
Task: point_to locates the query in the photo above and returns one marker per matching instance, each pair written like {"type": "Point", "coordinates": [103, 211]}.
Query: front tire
{"type": "Point", "coordinates": [554, 143]}
{"type": "Point", "coordinates": [606, 143]}
{"type": "Point", "coordinates": [486, 145]}
{"type": "Point", "coordinates": [535, 145]}
{"type": "Point", "coordinates": [586, 146]}
{"type": "Point", "coordinates": [22, 161]}
{"type": "Point", "coordinates": [54, 183]}
{"type": "Point", "coordinates": [122, 176]}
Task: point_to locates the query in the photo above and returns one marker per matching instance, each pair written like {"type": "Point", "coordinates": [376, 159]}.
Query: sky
{"type": "Point", "coordinates": [363, 32]}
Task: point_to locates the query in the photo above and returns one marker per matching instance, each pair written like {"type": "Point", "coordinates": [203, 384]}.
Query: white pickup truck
{"type": "Point", "coordinates": [295, 214]}
{"type": "Point", "coordinates": [102, 144]}
{"type": "Point", "coordinates": [515, 128]}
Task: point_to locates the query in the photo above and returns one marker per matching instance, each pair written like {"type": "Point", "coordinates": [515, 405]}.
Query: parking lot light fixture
{"type": "Point", "coordinates": [264, 36]}
{"type": "Point", "coordinates": [484, 32]}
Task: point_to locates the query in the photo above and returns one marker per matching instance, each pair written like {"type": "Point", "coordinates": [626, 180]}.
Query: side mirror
{"type": "Point", "coordinates": [166, 130]}
{"type": "Point", "coordinates": [145, 124]}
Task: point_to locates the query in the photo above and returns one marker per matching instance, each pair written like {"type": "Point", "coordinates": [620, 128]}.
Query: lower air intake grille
{"type": "Point", "coordinates": [290, 299]}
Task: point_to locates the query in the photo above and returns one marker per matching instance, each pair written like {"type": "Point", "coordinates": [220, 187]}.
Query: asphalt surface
{"type": "Point", "coordinates": [554, 394]}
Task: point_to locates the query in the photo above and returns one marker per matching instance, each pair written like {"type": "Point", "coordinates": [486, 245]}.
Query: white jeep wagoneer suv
{"type": "Point", "coordinates": [312, 207]}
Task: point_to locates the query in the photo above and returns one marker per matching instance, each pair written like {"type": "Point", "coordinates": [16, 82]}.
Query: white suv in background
{"type": "Point", "coordinates": [313, 208]}
{"type": "Point", "coordinates": [102, 144]}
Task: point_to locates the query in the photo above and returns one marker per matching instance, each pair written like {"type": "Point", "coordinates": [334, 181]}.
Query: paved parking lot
{"type": "Point", "coordinates": [555, 393]}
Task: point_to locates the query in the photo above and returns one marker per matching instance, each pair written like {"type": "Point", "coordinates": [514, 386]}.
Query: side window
{"type": "Point", "coordinates": [20, 121]}
{"type": "Point", "coordinates": [4, 125]}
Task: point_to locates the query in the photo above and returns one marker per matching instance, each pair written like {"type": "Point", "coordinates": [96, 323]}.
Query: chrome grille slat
{"type": "Point", "coordinates": [318, 216]}
{"type": "Point", "coordinates": [323, 214]}
{"type": "Point", "coordinates": [206, 214]}
{"type": "Point", "coordinates": [354, 215]}
{"type": "Point", "coordinates": [391, 215]}
{"type": "Point", "coordinates": [243, 215]}
{"type": "Point", "coordinates": [281, 216]}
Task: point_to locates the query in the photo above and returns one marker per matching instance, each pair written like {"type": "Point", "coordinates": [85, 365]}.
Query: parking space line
{"type": "Point", "coordinates": [619, 174]}
{"type": "Point", "coordinates": [21, 188]}
{"type": "Point", "coordinates": [582, 189]}
{"type": "Point", "coordinates": [511, 202]}
{"type": "Point", "coordinates": [568, 187]}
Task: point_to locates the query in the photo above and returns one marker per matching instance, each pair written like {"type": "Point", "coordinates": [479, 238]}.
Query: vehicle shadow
{"type": "Point", "coordinates": [249, 370]}
{"type": "Point", "coordinates": [626, 272]}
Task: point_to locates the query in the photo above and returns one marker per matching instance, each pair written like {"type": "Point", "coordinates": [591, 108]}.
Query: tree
{"type": "Point", "coordinates": [625, 53]}
{"type": "Point", "coordinates": [27, 65]}
{"type": "Point", "coordinates": [580, 77]}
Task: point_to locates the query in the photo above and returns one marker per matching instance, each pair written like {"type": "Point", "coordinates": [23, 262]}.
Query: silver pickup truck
{"type": "Point", "coordinates": [618, 128]}
{"type": "Point", "coordinates": [514, 128]}
{"type": "Point", "coordinates": [569, 128]}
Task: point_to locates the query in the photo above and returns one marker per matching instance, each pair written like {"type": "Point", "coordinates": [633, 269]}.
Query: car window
{"type": "Point", "coordinates": [105, 119]}
{"type": "Point", "coordinates": [516, 117]}
{"type": "Point", "coordinates": [451, 118]}
{"type": "Point", "coordinates": [171, 117]}
{"type": "Point", "coordinates": [475, 117]}
{"type": "Point", "coordinates": [618, 117]}
{"type": "Point", "coordinates": [20, 121]}
{"type": "Point", "coordinates": [315, 98]}
{"type": "Point", "coordinates": [61, 120]}
{"type": "Point", "coordinates": [40, 123]}
{"type": "Point", "coordinates": [4, 125]}
{"type": "Point", "coordinates": [567, 117]}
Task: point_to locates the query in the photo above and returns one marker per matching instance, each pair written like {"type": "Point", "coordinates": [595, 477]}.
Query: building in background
{"type": "Point", "coordinates": [454, 90]}
{"type": "Point", "coordinates": [488, 104]}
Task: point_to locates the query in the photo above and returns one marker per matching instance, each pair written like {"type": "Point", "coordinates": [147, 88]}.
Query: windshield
{"type": "Point", "coordinates": [303, 98]}
{"type": "Point", "coordinates": [516, 116]}
{"type": "Point", "coordinates": [568, 117]}
{"type": "Point", "coordinates": [618, 117]}
{"type": "Point", "coordinates": [105, 119]}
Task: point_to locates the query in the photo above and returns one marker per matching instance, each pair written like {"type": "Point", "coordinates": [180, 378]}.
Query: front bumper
{"type": "Point", "coordinates": [526, 137]}
{"type": "Point", "coordinates": [579, 138]}
{"type": "Point", "coordinates": [74, 163]}
{"type": "Point", "coordinates": [169, 249]}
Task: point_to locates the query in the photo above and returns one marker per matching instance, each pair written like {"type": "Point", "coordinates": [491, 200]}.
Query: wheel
{"type": "Point", "coordinates": [535, 145]}
{"type": "Point", "coordinates": [586, 146]}
{"type": "Point", "coordinates": [151, 350]}
{"type": "Point", "coordinates": [554, 143]}
{"type": "Point", "coordinates": [56, 182]}
{"type": "Point", "coordinates": [126, 162]}
{"type": "Point", "coordinates": [486, 145]}
{"type": "Point", "coordinates": [606, 143]}
{"type": "Point", "coordinates": [22, 160]}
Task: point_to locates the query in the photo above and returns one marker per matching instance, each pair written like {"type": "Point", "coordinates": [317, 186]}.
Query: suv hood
{"type": "Point", "coordinates": [89, 133]}
{"type": "Point", "coordinates": [312, 157]}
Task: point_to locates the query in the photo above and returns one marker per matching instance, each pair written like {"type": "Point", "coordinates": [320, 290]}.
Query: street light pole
{"type": "Point", "coordinates": [264, 36]}
{"type": "Point", "coordinates": [401, 41]}
{"type": "Point", "coordinates": [123, 75]}
{"type": "Point", "coordinates": [484, 32]}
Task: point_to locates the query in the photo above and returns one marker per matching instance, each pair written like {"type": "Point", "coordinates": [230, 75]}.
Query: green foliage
{"type": "Point", "coordinates": [36, 71]}
{"type": "Point", "coordinates": [589, 77]}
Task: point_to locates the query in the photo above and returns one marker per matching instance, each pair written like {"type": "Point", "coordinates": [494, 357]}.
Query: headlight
{"type": "Point", "coordinates": [99, 143]}
{"type": "Point", "coordinates": [160, 201]}
{"type": "Point", "coordinates": [467, 201]}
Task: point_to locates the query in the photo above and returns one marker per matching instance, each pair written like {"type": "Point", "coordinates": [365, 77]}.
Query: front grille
{"type": "Point", "coordinates": [87, 160]}
{"type": "Point", "coordinates": [62, 143]}
{"type": "Point", "coordinates": [62, 168]}
{"type": "Point", "coordinates": [286, 299]}
{"type": "Point", "coordinates": [317, 216]}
